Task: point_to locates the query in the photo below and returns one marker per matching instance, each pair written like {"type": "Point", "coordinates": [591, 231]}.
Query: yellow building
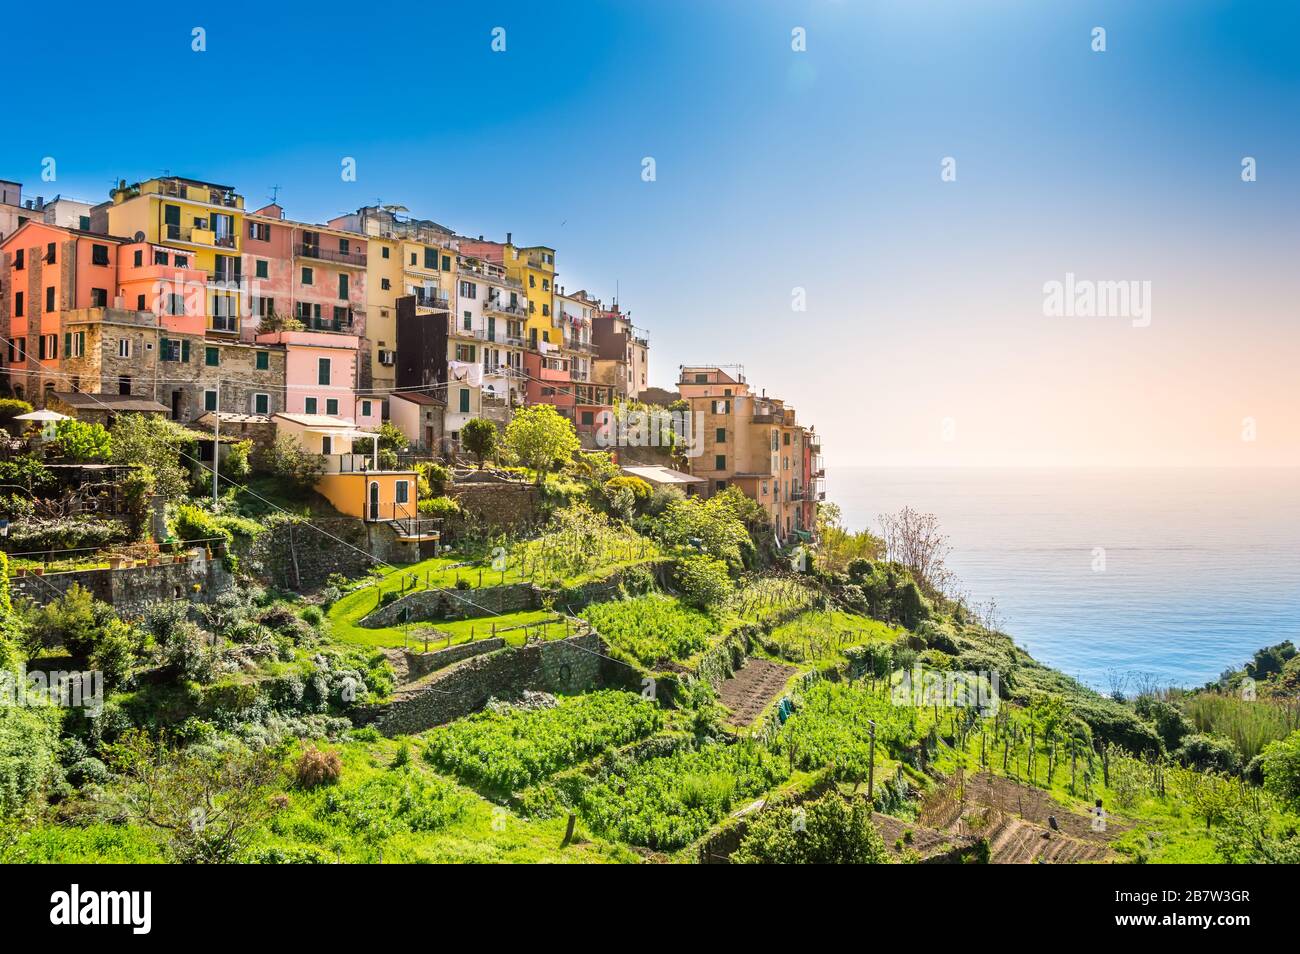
{"type": "Point", "coordinates": [533, 267]}
{"type": "Point", "coordinates": [192, 224]}
{"type": "Point", "coordinates": [408, 256]}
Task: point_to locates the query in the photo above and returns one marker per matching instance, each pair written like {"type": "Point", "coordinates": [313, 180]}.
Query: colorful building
{"type": "Point", "coordinates": [755, 443]}
{"type": "Point", "coordinates": [622, 357]}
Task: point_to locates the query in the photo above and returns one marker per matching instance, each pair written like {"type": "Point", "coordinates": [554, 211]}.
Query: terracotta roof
{"type": "Point", "coordinates": [417, 397]}
{"type": "Point", "coordinates": [110, 402]}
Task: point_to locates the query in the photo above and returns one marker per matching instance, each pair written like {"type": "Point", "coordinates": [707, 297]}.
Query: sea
{"type": "Point", "coordinates": [1119, 577]}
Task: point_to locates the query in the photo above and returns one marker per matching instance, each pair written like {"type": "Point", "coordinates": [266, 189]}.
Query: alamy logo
{"type": "Point", "coordinates": [134, 908]}
{"type": "Point", "coordinates": [947, 690]}
{"type": "Point", "coordinates": [656, 427]}
{"type": "Point", "coordinates": [1084, 298]}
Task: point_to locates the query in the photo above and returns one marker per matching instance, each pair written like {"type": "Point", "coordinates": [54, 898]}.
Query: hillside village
{"type": "Point", "coordinates": [364, 541]}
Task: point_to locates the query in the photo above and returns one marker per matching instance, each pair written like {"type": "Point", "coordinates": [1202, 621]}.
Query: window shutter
{"type": "Point", "coordinates": [185, 351]}
{"type": "Point", "coordinates": [67, 343]}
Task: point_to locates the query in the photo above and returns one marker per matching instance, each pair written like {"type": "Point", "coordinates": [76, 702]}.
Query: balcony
{"type": "Point", "coordinates": [223, 324]}
{"type": "Point", "coordinates": [355, 257]}
{"type": "Point", "coordinates": [432, 301]}
{"type": "Point", "coordinates": [818, 467]}
{"type": "Point", "coordinates": [517, 310]}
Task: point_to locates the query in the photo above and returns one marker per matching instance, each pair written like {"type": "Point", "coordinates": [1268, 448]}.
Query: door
{"type": "Point", "coordinates": [374, 500]}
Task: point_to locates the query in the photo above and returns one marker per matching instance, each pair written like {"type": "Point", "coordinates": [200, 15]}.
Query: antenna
{"type": "Point", "coordinates": [275, 194]}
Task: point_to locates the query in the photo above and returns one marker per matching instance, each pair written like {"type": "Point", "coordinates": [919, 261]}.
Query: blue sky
{"type": "Point", "coordinates": [777, 170]}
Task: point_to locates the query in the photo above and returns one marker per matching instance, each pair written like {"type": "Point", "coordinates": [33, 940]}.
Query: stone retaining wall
{"type": "Point", "coordinates": [568, 665]}
{"type": "Point", "coordinates": [131, 589]}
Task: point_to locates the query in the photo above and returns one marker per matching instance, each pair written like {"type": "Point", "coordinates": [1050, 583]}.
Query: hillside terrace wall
{"type": "Point", "coordinates": [131, 589]}
{"type": "Point", "coordinates": [296, 555]}
{"type": "Point", "coordinates": [571, 665]}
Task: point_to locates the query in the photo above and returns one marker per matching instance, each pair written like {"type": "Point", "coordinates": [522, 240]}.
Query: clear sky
{"type": "Point", "coordinates": [925, 339]}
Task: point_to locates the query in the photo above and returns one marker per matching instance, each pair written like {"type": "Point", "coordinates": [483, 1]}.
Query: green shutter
{"type": "Point", "coordinates": [67, 343]}
{"type": "Point", "coordinates": [185, 351]}
{"type": "Point", "coordinates": [464, 400]}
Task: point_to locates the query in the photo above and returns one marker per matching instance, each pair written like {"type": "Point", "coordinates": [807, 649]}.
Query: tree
{"type": "Point", "coordinates": [840, 547]}
{"type": "Point", "coordinates": [9, 409]}
{"type": "Point", "coordinates": [294, 464]}
{"type": "Point", "coordinates": [831, 830]}
{"type": "Point", "coordinates": [479, 436]}
{"type": "Point", "coordinates": [164, 446]}
{"type": "Point", "coordinates": [915, 540]}
{"type": "Point", "coordinates": [391, 443]}
{"type": "Point", "coordinates": [90, 630]}
{"type": "Point", "coordinates": [81, 443]}
{"type": "Point", "coordinates": [541, 438]}
{"type": "Point", "coordinates": [209, 803]}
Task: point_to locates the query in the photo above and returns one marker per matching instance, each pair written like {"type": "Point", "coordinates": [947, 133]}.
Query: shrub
{"type": "Point", "coordinates": [292, 463]}
{"type": "Point", "coordinates": [1205, 753]}
{"type": "Point", "coordinates": [433, 478]}
{"type": "Point", "coordinates": [704, 582]}
{"type": "Point", "coordinates": [1281, 768]}
{"type": "Point", "coordinates": [312, 616]}
{"type": "Point", "coordinates": [438, 507]}
{"type": "Point", "coordinates": [639, 489]}
{"type": "Point", "coordinates": [191, 523]}
{"type": "Point", "coordinates": [235, 462]}
{"type": "Point", "coordinates": [315, 768]}
{"type": "Point", "coordinates": [651, 628]}
{"type": "Point", "coordinates": [167, 448]}
{"type": "Point", "coordinates": [829, 831]}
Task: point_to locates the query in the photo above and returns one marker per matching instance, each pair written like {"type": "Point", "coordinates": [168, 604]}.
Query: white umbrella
{"type": "Point", "coordinates": [41, 415]}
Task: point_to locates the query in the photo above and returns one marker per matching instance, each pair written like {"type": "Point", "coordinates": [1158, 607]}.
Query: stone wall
{"type": "Point", "coordinates": [499, 504]}
{"type": "Point", "coordinates": [568, 665]}
{"type": "Point", "coordinates": [455, 604]}
{"type": "Point", "coordinates": [130, 589]}
{"type": "Point", "coordinates": [421, 664]}
{"type": "Point", "coordinates": [296, 555]}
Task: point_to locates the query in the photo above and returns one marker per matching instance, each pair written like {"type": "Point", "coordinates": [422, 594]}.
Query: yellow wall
{"type": "Point", "coordinates": [348, 492]}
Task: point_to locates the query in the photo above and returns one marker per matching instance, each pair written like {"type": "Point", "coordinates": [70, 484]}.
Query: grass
{"type": "Point", "coordinates": [1251, 724]}
{"type": "Point", "coordinates": [652, 628]}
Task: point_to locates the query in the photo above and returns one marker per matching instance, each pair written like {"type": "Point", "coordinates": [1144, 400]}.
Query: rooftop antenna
{"type": "Point", "coordinates": [275, 195]}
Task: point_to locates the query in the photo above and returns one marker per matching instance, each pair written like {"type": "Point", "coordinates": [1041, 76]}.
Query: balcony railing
{"type": "Point", "coordinates": [436, 301]}
{"type": "Point", "coordinates": [224, 324]}
{"type": "Point", "coordinates": [350, 257]}
{"type": "Point", "coordinates": [517, 310]}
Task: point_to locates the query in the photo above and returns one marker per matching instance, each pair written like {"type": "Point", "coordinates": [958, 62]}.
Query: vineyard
{"type": "Point", "coordinates": [821, 636]}
{"type": "Point", "coordinates": [666, 803]}
{"type": "Point", "coordinates": [504, 751]}
{"type": "Point", "coordinates": [652, 629]}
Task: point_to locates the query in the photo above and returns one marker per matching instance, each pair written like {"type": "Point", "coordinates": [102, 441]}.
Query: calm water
{"type": "Point", "coordinates": [1202, 567]}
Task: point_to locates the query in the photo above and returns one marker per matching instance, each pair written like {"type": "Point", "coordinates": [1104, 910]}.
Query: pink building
{"type": "Point", "coordinates": [320, 371]}
{"type": "Point", "coordinates": [313, 273]}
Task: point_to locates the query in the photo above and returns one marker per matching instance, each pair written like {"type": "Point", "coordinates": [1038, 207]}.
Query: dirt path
{"type": "Point", "coordinates": [753, 688]}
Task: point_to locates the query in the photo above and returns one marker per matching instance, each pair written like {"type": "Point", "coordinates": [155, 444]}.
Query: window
{"type": "Point", "coordinates": [260, 231]}
{"type": "Point", "coordinates": [468, 319]}
{"type": "Point", "coordinates": [172, 350]}
{"type": "Point", "coordinates": [48, 347]}
{"type": "Point", "coordinates": [99, 255]}
{"type": "Point", "coordinates": [83, 223]}
{"type": "Point", "coordinates": [464, 400]}
{"type": "Point", "coordinates": [332, 407]}
{"type": "Point", "coordinates": [18, 304]}
{"type": "Point", "coordinates": [532, 281]}
{"type": "Point", "coordinates": [124, 347]}
{"type": "Point", "coordinates": [765, 488]}
{"type": "Point", "coordinates": [265, 307]}
{"type": "Point", "coordinates": [701, 379]}
{"type": "Point", "coordinates": [468, 290]}
{"type": "Point", "coordinates": [262, 360]}
{"type": "Point", "coordinates": [306, 276]}
{"type": "Point", "coordinates": [400, 491]}
{"type": "Point", "coordinates": [384, 283]}
{"type": "Point", "coordinates": [212, 357]}
{"type": "Point", "coordinates": [159, 257]}
{"type": "Point", "coordinates": [49, 298]}
{"type": "Point", "coordinates": [343, 287]}
{"type": "Point", "coordinates": [588, 418]}
{"type": "Point", "coordinates": [261, 268]}
{"type": "Point", "coordinates": [785, 439]}
{"type": "Point", "coordinates": [323, 371]}
{"type": "Point", "coordinates": [546, 285]}
{"type": "Point", "coordinates": [720, 435]}
{"type": "Point", "coordinates": [365, 408]}
{"type": "Point", "coordinates": [99, 298]}
{"type": "Point", "coordinates": [309, 405]}
{"type": "Point", "coordinates": [181, 261]}
{"type": "Point", "coordinates": [466, 352]}
{"type": "Point", "coordinates": [446, 263]}
{"type": "Point", "coordinates": [209, 400]}
{"type": "Point", "coordinates": [414, 258]}
{"type": "Point", "coordinates": [720, 462]}
{"type": "Point", "coordinates": [546, 310]}
{"type": "Point", "coordinates": [139, 303]}
{"type": "Point", "coordinates": [261, 403]}
{"type": "Point", "coordinates": [124, 384]}
{"type": "Point", "coordinates": [326, 445]}
{"type": "Point", "coordinates": [383, 252]}
{"type": "Point", "coordinates": [138, 258]}
{"type": "Point", "coordinates": [430, 258]}
{"type": "Point", "coordinates": [50, 253]}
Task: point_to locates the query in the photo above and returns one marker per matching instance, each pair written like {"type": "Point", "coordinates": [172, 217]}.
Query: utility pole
{"type": "Point", "coordinates": [216, 447]}
{"type": "Point", "coordinates": [871, 767]}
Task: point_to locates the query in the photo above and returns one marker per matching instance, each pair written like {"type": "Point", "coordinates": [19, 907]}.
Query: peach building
{"type": "Point", "coordinates": [320, 368]}
{"type": "Point", "coordinates": [755, 443]}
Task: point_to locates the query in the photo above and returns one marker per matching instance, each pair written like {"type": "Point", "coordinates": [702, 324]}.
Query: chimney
{"type": "Point", "coordinates": [510, 238]}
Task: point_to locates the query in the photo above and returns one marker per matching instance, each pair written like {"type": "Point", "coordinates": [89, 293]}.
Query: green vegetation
{"type": "Point", "coordinates": [540, 438]}
{"type": "Point", "coordinates": [652, 629]}
{"type": "Point", "coordinates": [509, 748]}
{"type": "Point", "coordinates": [479, 436]}
{"type": "Point", "coordinates": [829, 831]}
{"type": "Point", "coordinates": [666, 803]}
